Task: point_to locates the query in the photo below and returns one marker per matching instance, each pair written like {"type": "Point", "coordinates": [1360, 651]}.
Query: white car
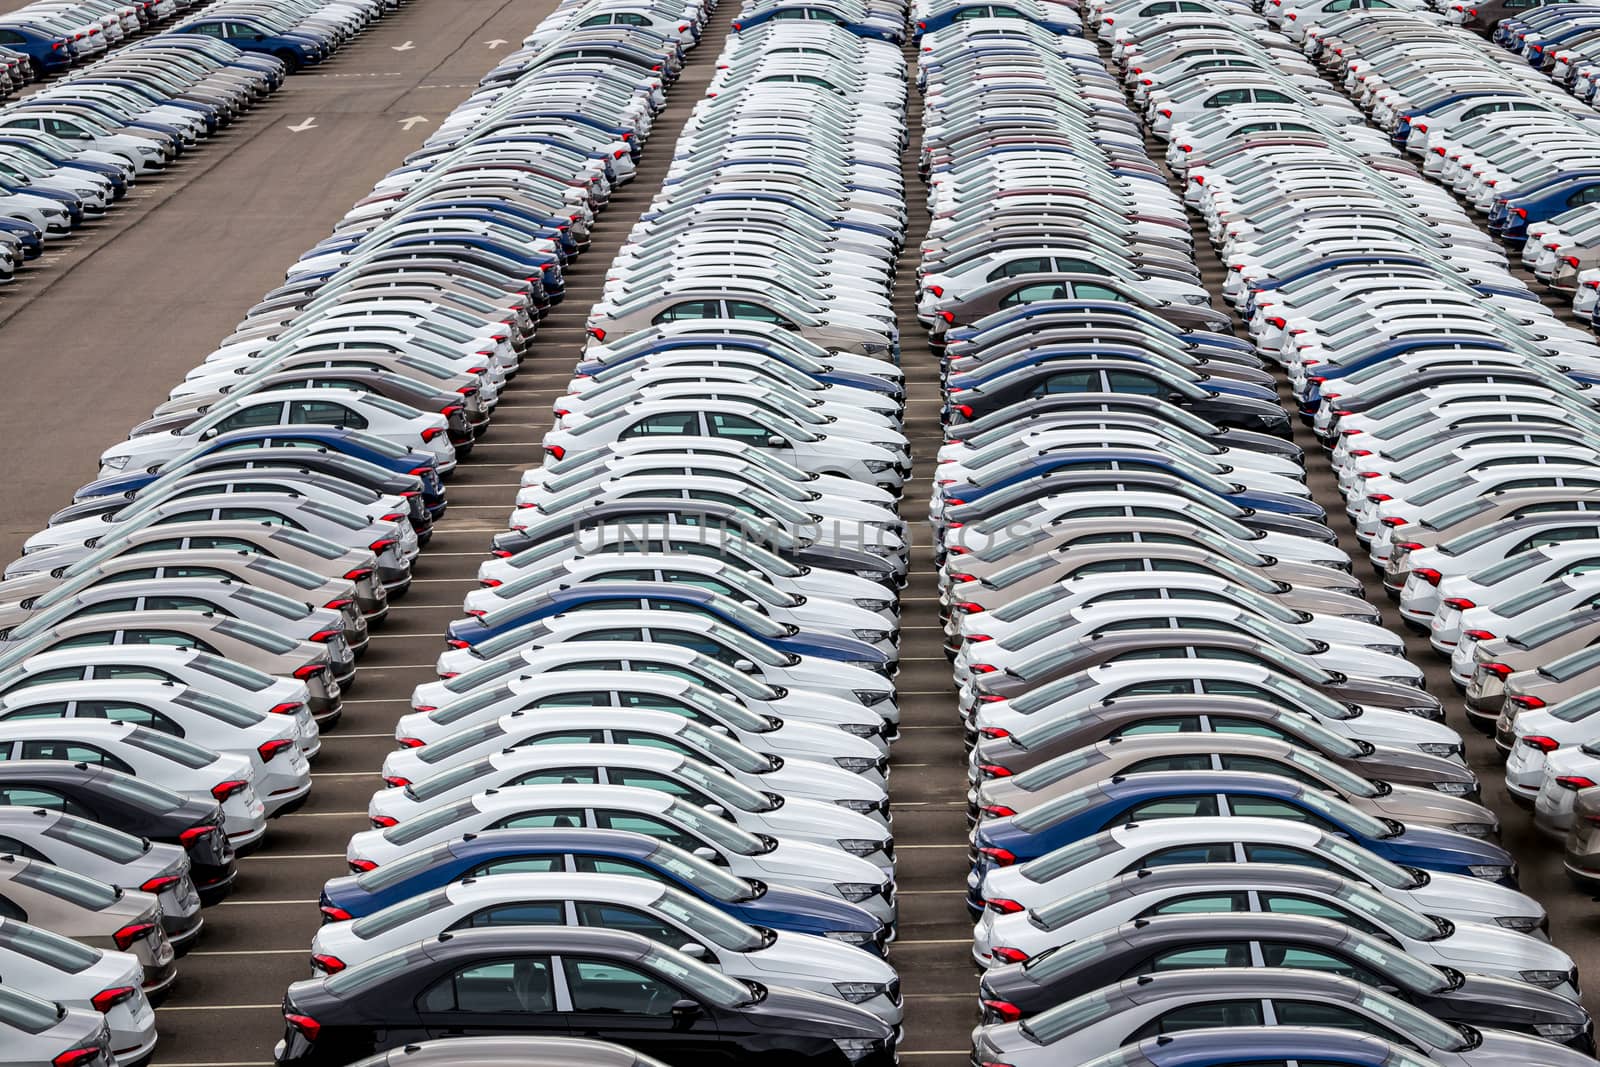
{"type": "Point", "coordinates": [77, 976]}
{"type": "Point", "coordinates": [1540, 553]}
{"type": "Point", "coordinates": [615, 901]}
{"type": "Point", "coordinates": [800, 864]}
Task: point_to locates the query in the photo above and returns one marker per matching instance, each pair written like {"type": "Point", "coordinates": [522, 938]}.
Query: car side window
{"type": "Point", "coordinates": [1263, 765]}
{"type": "Point", "coordinates": [1247, 728]}
{"type": "Point", "coordinates": [689, 309]}
{"type": "Point", "coordinates": [10, 909]}
{"type": "Point", "coordinates": [1283, 903]}
{"type": "Point", "coordinates": [1156, 687]}
{"type": "Point", "coordinates": [53, 709]}
{"type": "Point", "coordinates": [515, 987]}
{"type": "Point", "coordinates": [1197, 761]}
{"type": "Point", "coordinates": [1078, 381]}
{"type": "Point", "coordinates": [675, 423]}
{"type": "Point", "coordinates": [59, 674]}
{"type": "Point", "coordinates": [1133, 382]}
{"type": "Point", "coordinates": [254, 415]}
{"type": "Point", "coordinates": [1197, 957]}
{"type": "Point", "coordinates": [558, 776]}
{"type": "Point", "coordinates": [647, 825]}
{"type": "Point", "coordinates": [1026, 265]}
{"type": "Point", "coordinates": [1587, 195]}
{"type": "Point", "coordinates": [516, 913]}
{"type": "Point", "coordinates": [1177, 724]}
{"type": "Point", "coordinates": [112, 606]}
{"type": "Point", "coordinates": [1207, 1016]}
{"type": "Point", "coordinates": [1316, 1013]}
{"type": "Point", "coordinates": [1199, 904]}
{"type": "Point", "coordinates": [73, 752]}
{"type": "Point", "coordinates": [1180, 855]}
{"type": "Point", "coordinates": [164, 638]}
{"type": "Point", "coordinates": [559, 818]}
{"type": "Point", "coordinates": [24, 796]}
{"type": "Point", "coordinates": [603, 986]}
{"type": "Point", "coordinates": [1029, 294]}
{"type": "Point", "coordinates": [1294, 857]}
{"type": "Point", "coordinates": [517, 865]}
{"type": "Point", "coordinates": [1228, 98]}
{"type": "Point", "coordinates": [18, 847]}
{"type": "Point", "coordinates": [325, 413]}
{"type": "Point", "coordinates": [1271, 808]}
{"type": "Point", "coordinates": [630, 920]}
{"type": "Point", "coordinates": [737, 428]}
{"type": "Point", "coordinates": [1195, 806]}
{"type": "Point", "coordinates": [660, 783]}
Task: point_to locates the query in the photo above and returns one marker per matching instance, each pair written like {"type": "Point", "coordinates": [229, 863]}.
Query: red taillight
{"type": "Point", "coordinates": [998, 811]}
{"type": "Point", "coordinates": [362, 866]}
{"type": "Point", "coordinates": [1528, 703]}
{"type": "Point", "coordinates": [411, 742]}
{"type": "Point", "coordinates": [339, 603]}
{"type": "Point", "coordinates": [382, 543]}
{"type": "Point", "coordinates": [994, 770]}
{"type": "Point", "coordinates": [1574, 782]}
{"type": "Point", "coordinates": [383, 822]}
{"type": "Point", "coordinates": [490, 583]}
{"type": "Point", "coordinates": [160, 883]}
{"type": "Point", "coordinates": [984, 668]}
{"type": "Point", "coordinates": [1542, 743]}
{"type": "Point", "coordinates": [431, 432]}
{"type": "Point", "coordinates": [107, 999]}
{"type": "Point", "coordinates": [1428, 574]}
{"type": "Point", "coordinates": [223, 790]}
{"type": "Point", "coordinates": [75, 1057]}
{"type": "Point", "coordinates": [1395, 521]}
{"type": "Point", "coordinates": [1479, 635]}
{"type": "Point", "coordinates": [395, 781]}
{"type": "Point", "coordinates": [936, 290]}
{"type": "Point", "coordinates": [270, 749]}
{"type": "Point", "coordinates": [949, 317]}
{"type": "Point", "coordinates": [304, 1025]}
{"type": "Point", "coordinates": [1499, 670]}
{"type": "Point", "coordinates": [192, 836]}
{"type": "Point", "coordinates": [1003, 905]}
{"type": "Point", "coordinates": [1007, 954]}
{"type": "Point", "coordinates": [333, 914]}
{"type": "Point", "coordinates": [322, 637]}
{"type": "Point", "coordinates": [288, 707]}
{"type": "Point", "coordinates": [1001, 857]}
{"type": "Point", "coordinates": [967, 607]}
{"type": "Point", "coordinates": [556, 451]}
{"type": "Point", "coordinates": [326, 963]}
{"type": "Point", "coordinates": [128, 935]}
{"type": "Point", "coordinates": [994, 733]}
{"type": "Point", "coordinates": [308, 671]}
{"type": "Point", "coordinates": [456, 642]}
{"type": "Point", "coordinates": [1007, 1011]}
{"type": "Point", "coordinates": [597, 333]}
{"type": "Point", "coordinates": [1460, 603]}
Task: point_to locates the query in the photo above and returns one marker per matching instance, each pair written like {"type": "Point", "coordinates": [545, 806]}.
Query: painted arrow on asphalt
{"type": "Point", "coordinates": [412, 121]}
{"type": "Point", "coordinates": [309, 124]}
{"type": "Point", "coordinates": [496, 43]}
{"type": "Point", "coordinates": [408, 46]}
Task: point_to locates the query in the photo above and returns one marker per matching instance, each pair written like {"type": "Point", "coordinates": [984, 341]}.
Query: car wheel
{"type": "Point", "coordinates": [290, 61]}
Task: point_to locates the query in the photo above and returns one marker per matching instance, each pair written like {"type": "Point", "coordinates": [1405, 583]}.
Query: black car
{"type": "Point", "coordinates": [615, 986]}
{"type": "Point", "coordinates": [510, 1052]}
{"type": "Point", "coordinates": [1200, 940]}
{"type": "Point", "coordinates": [132, 805]}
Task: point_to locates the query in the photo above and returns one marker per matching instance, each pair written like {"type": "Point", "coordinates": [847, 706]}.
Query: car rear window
{"type": "Point", "coordinates": [103, 841]}
{"type": "Point", "coordinates": [141, 795]}
{"type": "Point", "coordinates": [61, 953]}
{"type": "Point", "coordinates": [66, 885]}
{"type": "Point", "coordinates": [28, 1014]}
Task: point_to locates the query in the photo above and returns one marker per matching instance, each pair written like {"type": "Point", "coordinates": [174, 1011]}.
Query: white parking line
{"type": "Point", "coordinates": [259, 856]}
{"type": "Point", "coordinates": [252, 952]}
{"type": "Point", "coordinates": [220, 1007]}
{"type": "Point", "coordinates": [269, 903]}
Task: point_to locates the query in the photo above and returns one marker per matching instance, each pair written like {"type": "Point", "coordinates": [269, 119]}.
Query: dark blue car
{"type": "Point", "coordinates": [354, 443]}
{"type": "Point", "coordinates": [47, 52]}
{"type": "Point", "coordinates": [1271, 1046]}
{"type": "Point", "coordinates": [1510, 215]}
{"type": "Point", "coordinates": [1121, 801]}
{"type": "Point", "coordinates": [1131, 459]}
{"type": "Point", "coordinates": [600, 852]}
{"type": "Point", "coordinates": [882, 30]}
{"type": "Point", "coordinates": [629, 596]}
{"type": "Point", "coordinates": [293, 50]}
{"type": "Point", "coordinates": [959, 12]}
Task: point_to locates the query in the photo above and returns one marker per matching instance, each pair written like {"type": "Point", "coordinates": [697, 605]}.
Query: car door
{"type": "Point", "coordinates": [512, 995]}
{"type": "Point", "coordinates": [627, 1004]}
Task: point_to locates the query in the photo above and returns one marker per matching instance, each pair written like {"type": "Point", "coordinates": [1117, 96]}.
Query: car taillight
{"type": "Point", "coordinates": [383, 822]}
{"type": "Point", "coordinates": [967, 607]}
{"type": "Point", "coordinates": [1574, 782]}
{"type": "Point", "coordinates": [194, 835]}
{"type": "Point", "coordinates": [998, 811]}
{"type": "Point", "coordinates": [431, 432]}
{"type": "Point", "coordinates": [339, 603]}
{"type": "Point", "coordinates": [556, 451]}
{"type": "Point", "coordinates": [411, 742]}
{"type": "Point", "coordinates": [304, 1025]}
{"type": "Point", "coordinates": [994, 770]}
{"type": "Point", "coordinates": [1499, 670]}
{"type": "Point", "coordinates": [1542, 743]}
{"type": "Point", "coordinates": [1007, 1011]}
{"type": "Point", "coordinates": [75, 1057]}
{"type": "Point", "coordinates": [160, 883]}
{"type": "Point", "coordinates": [223, 790]}
{"type": "Point", "coordinates": [322, 637]}
{"type": "Point", "coordinates": [936, 290]}
{"type": "Point", "coordinates": [490, 583]}
{"type": "Point", "coordinates": [382, 543]}
{"type": "Point", "coordinates": [362, 866]}
{"type": "Point", "coordinates": [1428, 574]}
{"type": "Point", "coordinates": [1528, 703]}
{"type": "Point", "coordinates": [1002, 857]}
{"type": "Point", "coordinates": [395, 781]}
{"type": "Point", "coordinates": [333, 914]}
{"type": "Point", "coordinates": [597, 333]}
{"type": "Point", "coordinates": [984, 668]}
{"type": "Point", "coordinates": [456, 642]}
{"type": "Point", "coordinates": [309, 670]}
{"type": "Point", "coordinates": [1394, 522]}
{"type": "Point", "coordinates": [270, 749]}
{"type": "Point", "coordinates": [1002, 905]}
{"type": "Point", "coordinates": [949, 317]}
{"type": "Point", "coordinates": [107, 999]}
{"type": "Point", "coordinates": [128, 935]}
{"type": "Point", "coordinates": [326, 963]}
{"type": "Point", "coordinates": [1460, 603]}
{"type": "Point", "coordinates": [288, 707]}
{"type": "Point", "coordinates": [994, 733]}
{"type": "Point", "coordinates": [1007, 954]}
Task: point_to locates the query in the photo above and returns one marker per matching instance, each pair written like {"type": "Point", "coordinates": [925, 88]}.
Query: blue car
{"type": "Point", "coordinates": [354, 443]}
{"type": "Point", "coordinates": [47, 52]}
{"type": "Point", "coordinates": [628, 596]}
{"type": "Point", "coordinates": [1510, 215]}
{"type": "Point", "coordinates": [882, 30]}
{"type": "Point", "coordinates": [1128, 459]}
{"type": "Point", "coordinates": [1120, 801]}
{"type": "Point", "coordinates": [291, 49]}
{"type": "Point", "coordinates": [1272, 1046]}
{"type": "Point", "coordinates": [602, 852]}
{"type": "Point", "coordinates": [959, 12]}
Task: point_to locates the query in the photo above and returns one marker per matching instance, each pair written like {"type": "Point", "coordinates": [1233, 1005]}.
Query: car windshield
{"type": "Point", "coordinates": [143, 796]}
{"type": "Point", "coordinates": [1533, 598]}
{"type": "Point", "coordinates": [1368, 864]}
{"type": "Point", "coordinates": [1302, 696]}
{"type": "Point", "coordinates": [103, 841]}
{"type": "Point", "coordinates": [746, 646]}
{"type": "Point", "coordinates": [690, 974]}
{"type": "Point", "coordinates": [373, 971]}
{"type": "Point", "coordinates": [1401, 920]}
{"type": "Point", "coordinates": [1342, 814]}
{"type": "Point", "coordinates": [67, 885]}
{"type": "Point", "coordinates": [1053, 865]}
{"type": "Point", "coordinates": [710, 923]}
{"type": "Point", "coordinates": [28, 1013]}
{"type": "Point", "coordinates": [692, 870]}
{"type": "Point", "coordinates": [1417, 1025]}
{"type": "Point", "coordinates": [1347, 782]}
{"type": "Point", "coordinates": [723, 834]}
{"type": "Point", "coordinates": [725, 711]}
{"type": "Point", "coordinates": [171, 748]}
{"type": "Point", "coordinates": [722, 788]}
{"type": "Point", "coordinates": [232, 672]}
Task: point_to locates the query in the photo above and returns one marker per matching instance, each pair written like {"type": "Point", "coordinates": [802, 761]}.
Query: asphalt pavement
{"type": "Point", "coordinates": [93, 340]}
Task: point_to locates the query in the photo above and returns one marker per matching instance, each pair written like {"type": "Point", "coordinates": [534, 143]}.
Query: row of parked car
{"type": "Point", "coordinates": [645, 800]}
{"type": "Point", "coordinates": [1216, 817]}
{"type": "Point", "coordinates": [71, 150]}
{"type": "Point", "coordinates": [1503, 592]}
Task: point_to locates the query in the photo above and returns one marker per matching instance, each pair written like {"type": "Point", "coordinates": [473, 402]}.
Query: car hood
{"type": "Point", "coordinates": [1480, 947]}
{"type": "Point", "coordinates": [812, 1014]}
{"type": "Point", "coordinates": [1506, 1002]}
{"type": "Point", "coordinates": [806, 957]}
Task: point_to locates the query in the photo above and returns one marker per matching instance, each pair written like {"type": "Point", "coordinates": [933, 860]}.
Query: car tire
{"type": "Point", "coordinates": [290, 61]}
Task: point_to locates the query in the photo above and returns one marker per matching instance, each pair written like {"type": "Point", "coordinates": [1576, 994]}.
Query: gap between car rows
{"type": "Point", "coordinates": [1574, 923]}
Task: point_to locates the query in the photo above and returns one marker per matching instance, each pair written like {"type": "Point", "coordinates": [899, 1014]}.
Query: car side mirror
{"type": "Point", "coordinates": [208, 434]}
{"type": "Point", "coordinates": [260, 37]}
{"type": "Point", "coordinates": [695, 949]}
{"type": "Point", "coordinates": [685, 1011]}
{"type": "Point", "coordinates": [707, 853]}
{"type": "Point", "coordinates": [745, 666]}
{"type": "Point", "coordinates": [1175, 397]}
{"type": "Point", "coordinates": [717, 809]}
{"type": "Point", "coordinates": [774, 441]}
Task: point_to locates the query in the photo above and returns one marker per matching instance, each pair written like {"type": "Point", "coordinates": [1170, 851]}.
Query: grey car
{"type": "Point", "coordinates": [1228, 752]}
{"type": "Point", "coordinates": [111, 856]}
{"type": "Point", "coordinates": [510, 1052]}
{"type": "Point", "coordinates": [1120, 645]}
{"type": "Point", "coordinates": [999, 754]}
{"type": "Point", "coordinates": [1582, 854]}
{"type": "Point", "coordinates": [34, 1032]}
